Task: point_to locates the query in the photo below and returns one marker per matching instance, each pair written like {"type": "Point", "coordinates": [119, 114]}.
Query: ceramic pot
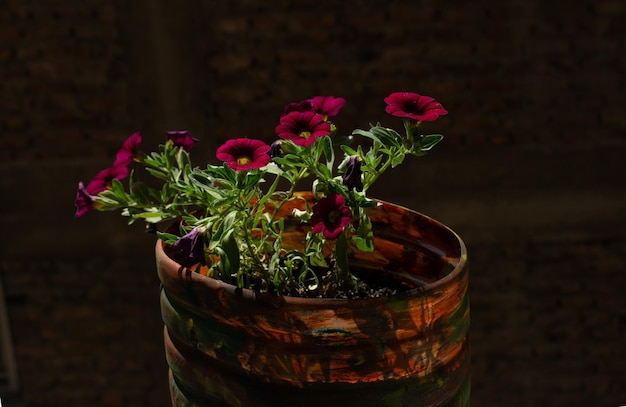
{"type": "Point", "coordinates": [234, 347]}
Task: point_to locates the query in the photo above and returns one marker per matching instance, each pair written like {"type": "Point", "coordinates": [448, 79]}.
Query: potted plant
{"type": "Point", "coordinates": [273, 296]}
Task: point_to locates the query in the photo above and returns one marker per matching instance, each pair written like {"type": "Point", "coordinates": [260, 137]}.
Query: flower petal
{"type": "Point", "coordinates": [414, 106]}
{"type": "Point", "coordinates": [244, 154]}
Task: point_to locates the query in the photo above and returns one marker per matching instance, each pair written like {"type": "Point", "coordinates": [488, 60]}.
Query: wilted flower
{"type": "Point", "coordinates": [244, 154]}
{"type": "Point", "coordinates": [189, 249]}
{"type": "Point", "coordinates": [352, 175]}
{"type": "Point", "coordinates": [302, 127]}
{"type": "Point", "coordinates": [182, 139]}
{"type": "Point", "coordinates": [413, 106]}
{"type": "Point", "coordinates": [84, 201]}
{"type": "Point", "coordinates": [275, 150]}
{"type": "Point", "coordinates": [330, 216]}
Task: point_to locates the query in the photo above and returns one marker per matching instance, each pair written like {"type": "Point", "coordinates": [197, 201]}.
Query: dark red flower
{"type": "Point", "coordinates": [330, 216]}
{"type": "Point", "coordinates": [302, 127]}
{"type": "Point", "coordinates": [84, 201]}
{"type": "Point", "coordinates": [413, 106]}
{"type": "Point", "coordinates": [182, 139]}
{"type": "Point", "coordinates": [327, 105]}
{"type": "Point", "coordinates": [103, 179]}
{"type": "Point", "coordinates": [352, 177]}
{"type": "Point", "coordinates": [129, 150]}
{"type": "Point", "coordinates": [244, 154]}
{"type": "Point", "coordinates": [304, 106]}
{"type": "Point", "coordinates": [189, 249]}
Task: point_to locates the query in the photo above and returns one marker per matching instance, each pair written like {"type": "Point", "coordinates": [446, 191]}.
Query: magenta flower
{"type": "Point", "coordinates": [101, 182]}
{"type": "Point", "coordinates": [244, 154]}
{"type": "Point", "coordinates": [413, 106]}
{"type": "Point", "coordinates": [182, 139]}
{"type": "Point", "coordinates": [189, 249]}
{"type": "Point", "coordinates": [327, 105]}
{"type": "Point", "coordinates": [302, 127]}
{"type": "Point", "coordinates": [129, 150]}
{"type": "Point", "coordinates": [84, 201]}
{"type": "Point", "coordinates": [330, 216]}
{"type": "Point", "coordinates": [103, 179]}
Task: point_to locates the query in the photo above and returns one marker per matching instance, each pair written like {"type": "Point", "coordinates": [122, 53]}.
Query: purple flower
{"type": "Point", "coordinates": [189, 249]}
{"type": "Point", "coordinates": [244, 154]}
{"type": "Point", "coordinates": [413, 106]}
{"type": "Point", "coordinates": [84, 201]}
{"type": "Point", "coordinates": [129, 150]}
{"type": "Point", "coordinates": [327, 105]}
{"type": "Point", "coordinates": [182, 139]}
{"type": "Point", "coordinates": [352, 177]}
{"type": "Point", "coordinates": [330, 216]}
{"type": "Point", "coordinates": [302, 127]}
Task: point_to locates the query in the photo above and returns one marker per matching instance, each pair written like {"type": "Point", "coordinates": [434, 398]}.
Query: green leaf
{"type": "Point", "coordinates": [327, 147]}
{"type": "Point", "coordinates": [348, 150]}
{"type": "Point", "coordinates": [325, 172]}
{"type": "Point", "coordinates": [168, 238]}
{"type": "Point", "coordinates": [272, 168]}
{"type": "Point", "coordinates": [364, 239]}
{"type": "Point", "coordinates": [429, 141]}
{"type": "Point", "coordinates": [388, 137]}
{"type": "Point", "coordinates": [231, 251]}
{"type": "Point", "coordinates": [118, 189]}
{"type": "Point", "coordinates": [397, 159]}
{"type": "Point", "coordinates": [152, 216]}
{"type": "Point", "coordinates": [367, 134]}
{"type": "Point", "coordinates": [182, 158]}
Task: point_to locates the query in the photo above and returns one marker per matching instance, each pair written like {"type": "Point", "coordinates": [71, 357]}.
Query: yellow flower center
{"type": "Point", "coordinates": [305, 134]}
{"type": "Point", "coordinates": [243, 160]}
{"type": "Point", "coordinates": [332, 216]}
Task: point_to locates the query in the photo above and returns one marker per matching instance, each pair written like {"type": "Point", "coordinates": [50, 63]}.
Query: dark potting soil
{"type": "Point", "coordinates": [369, 285]}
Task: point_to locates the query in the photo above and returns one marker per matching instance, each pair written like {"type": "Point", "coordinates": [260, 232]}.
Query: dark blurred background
{"type": "Point", "coordinates": [530, 173]}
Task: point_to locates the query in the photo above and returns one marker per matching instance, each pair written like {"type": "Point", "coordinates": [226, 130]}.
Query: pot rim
{"type": "Point", "coordinates": [459, 268]}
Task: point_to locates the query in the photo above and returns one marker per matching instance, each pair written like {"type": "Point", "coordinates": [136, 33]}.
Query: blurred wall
{"type": "Point", "coordinates": [533, 150]}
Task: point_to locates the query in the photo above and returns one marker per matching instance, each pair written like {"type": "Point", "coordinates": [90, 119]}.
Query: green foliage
{"type": "Point", "coordinates": [236, 210]}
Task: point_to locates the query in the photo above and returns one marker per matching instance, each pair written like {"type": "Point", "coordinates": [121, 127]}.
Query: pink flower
{"type": "Point", "coordinates": [413, 106]}
{"type": "Point", "coordinates": [330, 216]}
{"type": "Point", "coordinates": [327, 105]}
{"type": "Point", "coordinates": [129, 150]}
{"type": "Point", "coordinates": [182, 139]}
{"type": "Point", "coordinates": [302, 127]}
{"type": "Point", "coordinates": [244, 154]}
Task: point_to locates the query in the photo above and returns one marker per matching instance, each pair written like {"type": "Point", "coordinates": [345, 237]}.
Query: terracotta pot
{"type": "Point", "coordinates": [233, 347]}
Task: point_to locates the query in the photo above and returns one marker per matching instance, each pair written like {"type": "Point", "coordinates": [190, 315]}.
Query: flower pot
{"type": "Point", "coordinates": [234, 347]}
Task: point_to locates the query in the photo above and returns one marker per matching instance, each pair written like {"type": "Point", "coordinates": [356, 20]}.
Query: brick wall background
{"type": "Point", "coordinates": [529, 174]}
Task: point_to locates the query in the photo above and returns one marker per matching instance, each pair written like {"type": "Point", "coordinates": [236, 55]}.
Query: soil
{"type": "Point", "coordinates": [366, 287]}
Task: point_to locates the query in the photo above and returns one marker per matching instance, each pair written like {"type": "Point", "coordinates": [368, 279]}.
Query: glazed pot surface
{"type": "Point", "coordinates": [240, 348]}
